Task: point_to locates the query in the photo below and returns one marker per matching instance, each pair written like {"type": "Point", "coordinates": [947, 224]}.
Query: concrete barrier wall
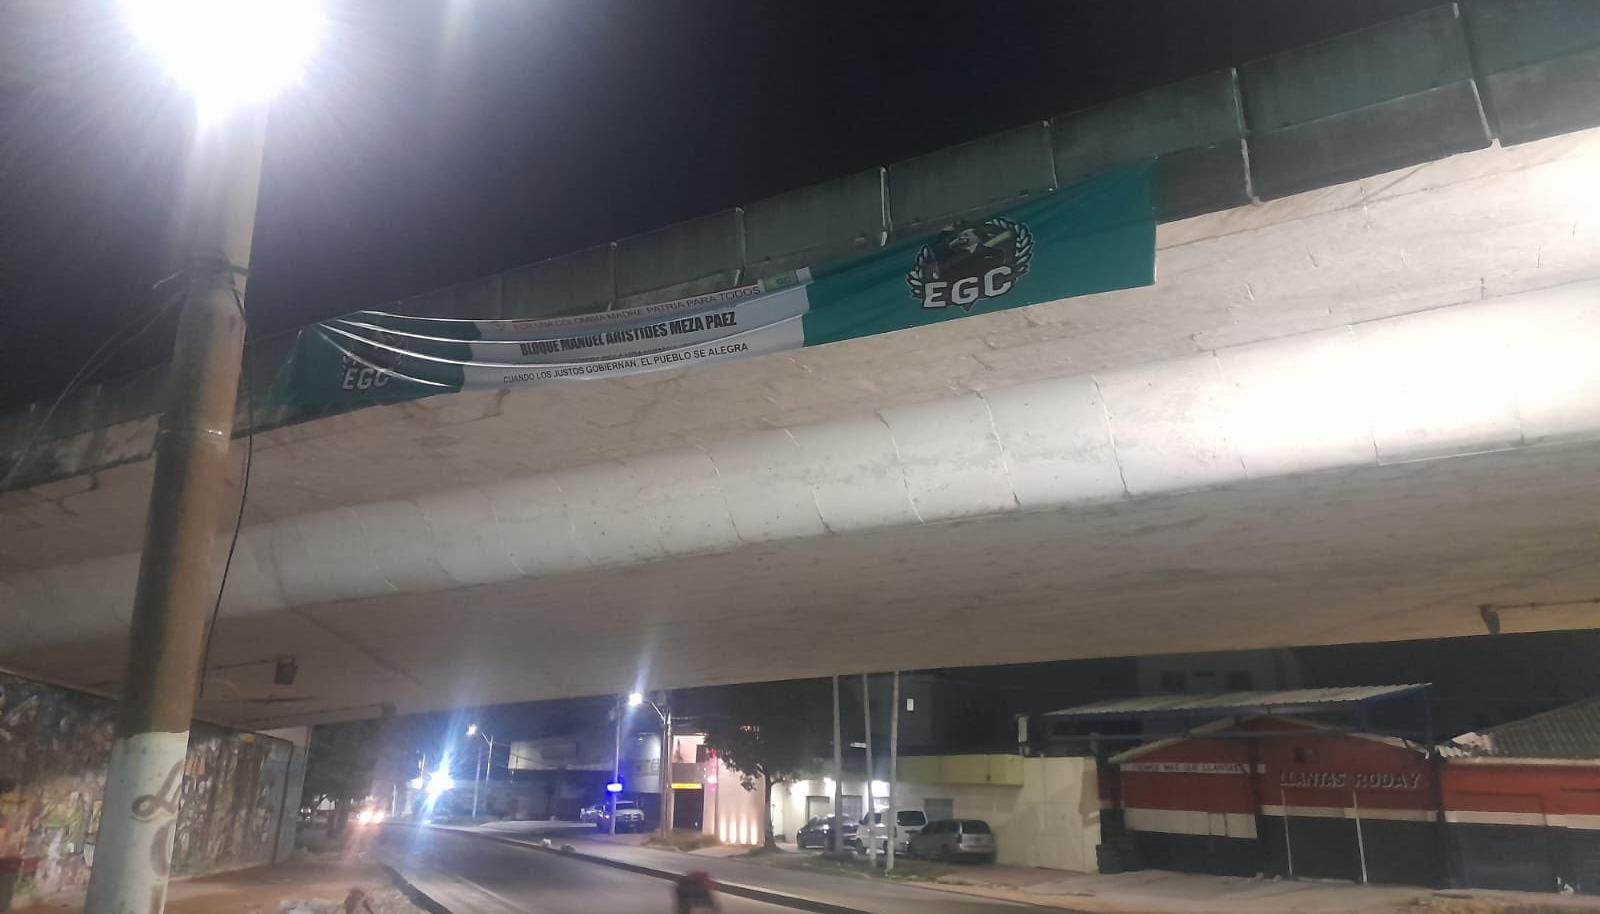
{"type": "Point", "coordinates": [54, 747]}
{"type": "Point", "coordinates": [1448, 79]}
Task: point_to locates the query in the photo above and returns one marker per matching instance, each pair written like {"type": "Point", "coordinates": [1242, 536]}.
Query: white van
{"type": "Point", "coordinates": [910, 821]}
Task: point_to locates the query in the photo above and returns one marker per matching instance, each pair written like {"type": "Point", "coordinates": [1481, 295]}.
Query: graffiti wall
{"type": "Point", "coordinates": [54, 747]}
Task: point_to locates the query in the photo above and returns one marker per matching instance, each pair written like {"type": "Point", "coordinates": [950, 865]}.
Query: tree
{"type": "Point", "coordinates": [339, 766]}
{"type": "Point", "coordinates": [775, 732]}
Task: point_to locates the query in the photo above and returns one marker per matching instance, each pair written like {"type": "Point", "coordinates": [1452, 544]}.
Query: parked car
{"type": "Point", "coordinates": [818, 833]}
{"type": "Point", "coordinates": [591, 813]}
{"type": "Point", "coordinates": [910, 821]}
{"type": "Point", "coordinates": [629, 817]}
{"type": "Point", "coordinates": [948, 839]}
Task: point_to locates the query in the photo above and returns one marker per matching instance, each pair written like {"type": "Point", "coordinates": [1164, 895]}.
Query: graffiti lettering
{"type": "Point", "coordinates": [146, 807]}
{"type": "Point", "coordinates": [161, 850]}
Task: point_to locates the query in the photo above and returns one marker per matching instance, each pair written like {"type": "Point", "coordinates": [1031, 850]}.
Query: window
{"type": "Point", "coordinates": [1239, 681]}
{"type": "Point", "coordinates": [911, 818]}
{"type": "Point", "coordinates": [851, 807]}
{"type": "Point", "coordinates": [940, 807]}
{"type": "Point", "coordinates": [974, 827]}
{"type": "Point", "coordinates": [1173, 681]}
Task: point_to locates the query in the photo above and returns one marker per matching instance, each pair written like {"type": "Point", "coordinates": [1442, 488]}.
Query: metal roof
{"type": "Point", "coordinates": [1287, 701]}
{"type": "Point", "coordinates": [1570, 732]}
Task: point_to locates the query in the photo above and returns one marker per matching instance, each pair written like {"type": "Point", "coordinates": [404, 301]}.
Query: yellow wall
{"type": "Point", "coordinates": [963, 769]}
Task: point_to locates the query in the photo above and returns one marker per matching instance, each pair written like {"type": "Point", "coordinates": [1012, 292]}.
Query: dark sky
{"type": "Point", "coordinates": [437, 140]}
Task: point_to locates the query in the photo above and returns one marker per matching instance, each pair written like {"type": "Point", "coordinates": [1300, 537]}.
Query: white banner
{"type": "Point", "coordinates": [786, 334]}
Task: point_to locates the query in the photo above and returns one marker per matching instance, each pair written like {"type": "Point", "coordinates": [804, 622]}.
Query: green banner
{"type": "Point", "coordinates": [1094, 237]}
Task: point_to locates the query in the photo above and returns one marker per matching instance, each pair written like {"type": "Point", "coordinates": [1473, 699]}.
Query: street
{"type": "Point", "coordinates": [472, 875]}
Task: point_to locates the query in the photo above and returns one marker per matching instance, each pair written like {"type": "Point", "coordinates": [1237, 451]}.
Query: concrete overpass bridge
{"type": "Point", "coordinates": [1361, 402]}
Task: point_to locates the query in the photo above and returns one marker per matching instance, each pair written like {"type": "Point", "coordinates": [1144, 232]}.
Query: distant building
{"type": "Point", "coordinates": [1224, 671]}
{"type": "Point", "coordinates": [1523, 802]}
{"type": "Point", "coordinates": [556, 776]}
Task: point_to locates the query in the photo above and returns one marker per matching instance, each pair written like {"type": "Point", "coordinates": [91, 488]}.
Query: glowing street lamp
{"type": "Point", "coordinates": [228, 54]}
{"type": "Point", "coordinates": [231, 56]}
{"type": "Point", "coordinates": [635, 699]}
{"type": "Point", "coordinates": [437, 783]}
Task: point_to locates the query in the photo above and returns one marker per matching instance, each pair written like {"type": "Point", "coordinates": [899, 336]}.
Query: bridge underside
{"type": "Point", "coordinates": [1398, 552]}
{"type": "Point", "coordinates": [1329, 421]}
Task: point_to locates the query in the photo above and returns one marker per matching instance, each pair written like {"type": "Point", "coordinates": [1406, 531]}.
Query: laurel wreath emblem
{"type": "Point", "coordinates": [1021, 255]}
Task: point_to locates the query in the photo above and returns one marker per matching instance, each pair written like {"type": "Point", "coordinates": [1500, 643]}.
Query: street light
{"type": "Point", "coordinates": [664, 776]}
{"type": "Point", "coordinates": [230, 55]}
{"type": "Point", "coordinates": [631, 700]}
{"type": "Point", "coordinates": [438, 783]}
{"type": "Point", "coordinates": [227, 53]}
{"type": "Point", "coordinates": [472, 730]}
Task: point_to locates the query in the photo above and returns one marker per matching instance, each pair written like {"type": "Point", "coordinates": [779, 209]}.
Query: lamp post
{"type": "Point", "coordinates": [615, 787]}
{"type": "Point", "coordinates": [836, 833]}
{"type": "Point", "coordinates": [473, 730]}
{"type": "Point", "coordinates": [871, 838]}
{"type": "Point", "coordinates": [664, 778]}
{"type": "Point", "coordinates": [230, 55]}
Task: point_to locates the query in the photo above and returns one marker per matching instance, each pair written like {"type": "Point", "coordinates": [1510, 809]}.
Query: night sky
{"type": "Point", "coordinates": [438, 140]}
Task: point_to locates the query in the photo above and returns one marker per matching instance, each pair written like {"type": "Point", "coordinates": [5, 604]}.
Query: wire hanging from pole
{"type": "Point", "coordinates": [244, 495]}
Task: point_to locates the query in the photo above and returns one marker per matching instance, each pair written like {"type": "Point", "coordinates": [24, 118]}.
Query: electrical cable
{"type": "Point", "coordinates": [244, 494]}
{"type": "Point", "coordinates": [96, 360]}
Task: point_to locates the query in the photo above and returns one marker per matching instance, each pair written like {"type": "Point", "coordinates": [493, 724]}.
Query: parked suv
{"type": "Point", "coordinates": [947, 839]}
{"type": "Point", "coordinates": [629, 817]}
{"type": "Point", "coordinates": [911, 821]}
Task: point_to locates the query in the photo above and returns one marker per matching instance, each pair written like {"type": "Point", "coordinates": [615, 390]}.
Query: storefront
{"type": "Point", "coordinates": [1282, 796]}
{"type": "Point", "coordinates": [1523, 803]}
{"type": "Point", "coordinates": [1513, 807]}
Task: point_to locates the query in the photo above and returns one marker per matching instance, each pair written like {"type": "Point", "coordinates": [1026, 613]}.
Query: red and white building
{"type": "Point", "coordinates": [1515, 807]}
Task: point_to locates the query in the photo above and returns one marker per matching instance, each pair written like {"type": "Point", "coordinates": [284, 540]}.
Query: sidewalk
{"type": "Point", "coordinates": [1150, 891]}
{"type": "Point", "coordinates": [306, 884]}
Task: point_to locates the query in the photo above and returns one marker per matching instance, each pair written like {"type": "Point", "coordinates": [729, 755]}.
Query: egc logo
{"type": "Point", "coordinates": [971, 261]}
{"type": "Point", "coordinates": [373, 368]}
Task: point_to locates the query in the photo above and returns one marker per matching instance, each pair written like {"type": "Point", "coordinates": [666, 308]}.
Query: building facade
{"type": "Point", "coordinates": [1514, 807]}
{"type": "Point", "coordinates": [1044, 811]}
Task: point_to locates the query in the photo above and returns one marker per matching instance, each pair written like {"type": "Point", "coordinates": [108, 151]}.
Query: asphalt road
{"type": "Point", "coordinates": [473, 875]}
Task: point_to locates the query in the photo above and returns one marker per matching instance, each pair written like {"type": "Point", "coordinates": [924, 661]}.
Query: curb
{"type": "Point", "coordinates": [415, 895]}
{"type": "Point", "coordinates": [754, 893]}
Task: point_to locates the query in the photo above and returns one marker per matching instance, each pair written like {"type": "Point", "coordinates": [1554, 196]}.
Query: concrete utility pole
{"type": "Point", "coordinates": [669, 797]}
{"type": "Point", "coordinates": [836, 834]}
{"type": "Point", "coordinates": [176, 586]}
{"type": "Point", "coordinates": [616, 770]}
{"type": "Point", "coordinates": [477, 779]}
{"type": "Point", "coordinates": [894, 773]}
{"type": "Point", "coordinates": [871, 838]}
